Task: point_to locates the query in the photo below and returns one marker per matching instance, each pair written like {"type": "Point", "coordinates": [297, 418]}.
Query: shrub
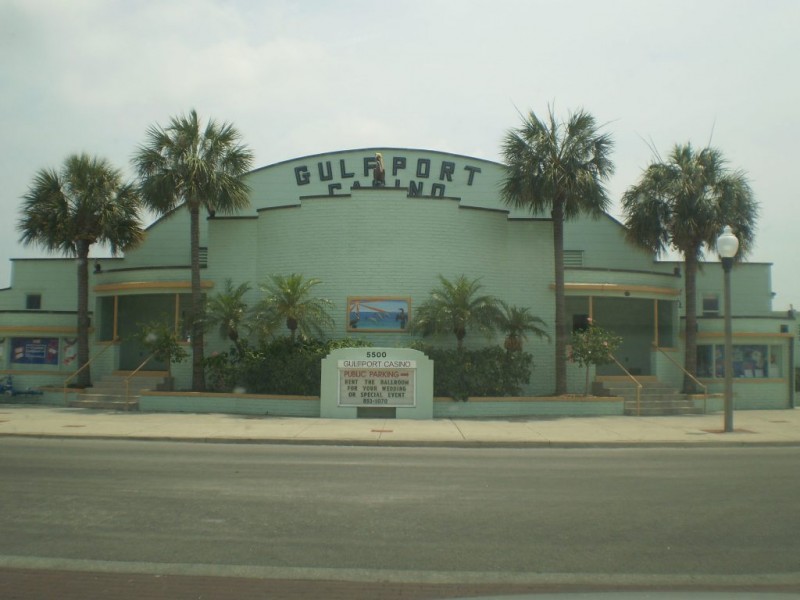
{"type": "Point", "coordinates": [222, 371]}
{"type": "Point", "coordinates": [593, 346]}
{"type": "Point", "coordinates": [162, 342]}
{"type": "Point", "coordinates": [280, 366]}
{"type": "Point", "coordinates": [489, 371]}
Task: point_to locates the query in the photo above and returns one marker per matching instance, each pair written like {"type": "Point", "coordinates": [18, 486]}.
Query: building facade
{"type": "Point", "coordinates": [379, 245]}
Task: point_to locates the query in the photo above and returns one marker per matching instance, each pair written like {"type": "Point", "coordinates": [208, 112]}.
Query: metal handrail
{"type": "Point", "coordinates": [636, 381]}
{"type": "Point", "coordinates": [692, 377]}
{"type": "Point", "coordinates": [128, 378]}
{"type": "Point", "coordinates": [86, 364]}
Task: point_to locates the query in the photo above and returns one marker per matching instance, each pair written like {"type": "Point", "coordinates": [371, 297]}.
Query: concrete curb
{"type": "Point", "coordinates": [419, 443]}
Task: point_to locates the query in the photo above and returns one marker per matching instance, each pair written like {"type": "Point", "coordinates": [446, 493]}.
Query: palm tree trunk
{"type": "Point", "coordinates": [690, 335]}
{"type": "Point", "coordinates": [85, 376]}
{"type": "Point", "coordinates": [198, 375]}
{"type": "Point", "coordinates": [561, 308]}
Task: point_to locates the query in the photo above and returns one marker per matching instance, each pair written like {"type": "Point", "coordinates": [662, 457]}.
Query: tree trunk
{"type": "Point", "coordinates": [460, 335]}
{"type": "Point", "coordinates": [690, 335]}
{"type": "Point", "coordinates": [561, 309]}
{"type": "Point", "coordinates": [513, 343]}
{"type": "Point", "coordinates": [85, 376]}
{"type": "Point", "coordinates": [198, 311]}
{"type": "Point", "coordinates": [586, 383]}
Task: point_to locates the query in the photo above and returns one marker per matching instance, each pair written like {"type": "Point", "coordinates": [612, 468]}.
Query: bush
{"type": "Point", "coordinates": [280, 366]}
{"type": "Point", "coordinates": [489, 371]}
{"type": "Point", "coordinates": [287, 367]}
{"type": "Point", "coordinates": [222, 371]}
{"type": "Point", "coordinates": [162, 342]}
{"type": "Point", "coordinates": [593, 346]}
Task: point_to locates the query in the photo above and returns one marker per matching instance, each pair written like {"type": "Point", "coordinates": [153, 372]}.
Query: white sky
{"type": "Point", "coordinates": [312, 76]}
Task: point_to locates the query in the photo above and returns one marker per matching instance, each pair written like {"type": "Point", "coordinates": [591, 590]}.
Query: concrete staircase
{"type": "Point", "coordinates": [109, 393]}
{"type": "Point", "coordinates": [656, 398]}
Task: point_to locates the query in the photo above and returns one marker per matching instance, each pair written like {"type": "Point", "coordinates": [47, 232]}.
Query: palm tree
{"type": "Point", "coordinates": [455, 307]}
{"type": "Point", "coordinates": [289, 301]}
{"type": "Point", "coordinates": [187, 164]}
{"type": "Point", "coordinates": [516, 322]}
{"type": "Point", "coordinates": [683, 203]}
{"type": "Point", "coordinates": [86, 202]}
{"type": "Point", "coordinates": [558, 167]}
{"type": "Point", "coordinates": [228, 310]}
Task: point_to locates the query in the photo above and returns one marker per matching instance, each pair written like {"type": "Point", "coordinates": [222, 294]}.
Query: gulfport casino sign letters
{"type": "Point", "coordinates": [377, 381]}
{"type": "Point", "coordinates": [423, 176]}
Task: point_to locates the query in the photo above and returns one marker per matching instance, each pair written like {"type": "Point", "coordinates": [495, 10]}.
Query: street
{"type": "Point", "coordinates": [701, 516]}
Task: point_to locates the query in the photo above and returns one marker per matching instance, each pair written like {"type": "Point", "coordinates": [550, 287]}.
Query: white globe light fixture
{"type": "Point", "coordinates": [727, 243]}
{"type": "Point", "coordinates": [727, 247]}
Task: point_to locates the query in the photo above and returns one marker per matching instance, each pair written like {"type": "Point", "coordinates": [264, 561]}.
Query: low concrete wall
{"type": "Point", "coordinates": [742, 400]}
{"type": "Point", "coordinates": [238, 404]}
{"type": "Point", "coordinates": [50, 396]}
{"type": "Point", "coordinates": [443, 408]}
{"type": "Point", "coordinates": [527, 406]}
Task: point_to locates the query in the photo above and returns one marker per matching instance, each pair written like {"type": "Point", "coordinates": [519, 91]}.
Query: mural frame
{"type": "Point", "coordinates": [384, 314]}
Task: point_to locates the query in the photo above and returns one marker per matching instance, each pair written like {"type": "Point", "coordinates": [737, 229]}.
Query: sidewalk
{"type": "Point", "coordinates": [758, 428]}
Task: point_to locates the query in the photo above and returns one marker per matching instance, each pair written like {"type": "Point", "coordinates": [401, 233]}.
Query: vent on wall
{"type": "Point", "coordinates": [573, 258]}
{"type": "Point", "coordinates": [203, 256]}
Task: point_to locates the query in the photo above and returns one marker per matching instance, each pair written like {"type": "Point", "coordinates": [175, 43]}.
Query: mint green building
{"type": "Point", "coordinates": [379, 247]}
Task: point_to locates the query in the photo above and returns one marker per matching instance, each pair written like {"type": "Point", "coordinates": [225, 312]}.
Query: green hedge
{"type": "Point", "coordinates": [280, 366]}
{"type": "Point", "coordinates": [293, 367]}
{"type": "Point", "coordinates": [490, 371]}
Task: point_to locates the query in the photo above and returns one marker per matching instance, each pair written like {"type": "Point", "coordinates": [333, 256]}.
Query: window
{"type": "Point", "coordinates": [34, 351]}
{"type": "Point", "coordinates": [774, 368]}
{"type": "Point", "coordinates": [710, 305]}
{"type": "Point", "coordinates": [750, 361]}
{"type": "Point", "coordinates": [33, 301]}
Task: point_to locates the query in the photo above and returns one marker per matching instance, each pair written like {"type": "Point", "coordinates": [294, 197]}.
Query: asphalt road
{"type": "Point", "coordinates": [607, 516]}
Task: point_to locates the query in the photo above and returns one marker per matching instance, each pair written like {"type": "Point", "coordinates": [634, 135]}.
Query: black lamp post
{"type": "Point", "coordinates": [727, 247]}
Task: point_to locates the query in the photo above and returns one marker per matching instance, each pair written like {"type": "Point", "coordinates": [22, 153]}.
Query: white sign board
{"type": "Point", "coordinates": [377, 382]}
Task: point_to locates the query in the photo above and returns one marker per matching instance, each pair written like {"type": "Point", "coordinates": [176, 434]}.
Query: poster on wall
{"type": "Point", "coordinates": [69, 351]}
{"type": "Point", "coordinates": [378, 313]}
{"type": "Point", "coordinates": [34, 351]}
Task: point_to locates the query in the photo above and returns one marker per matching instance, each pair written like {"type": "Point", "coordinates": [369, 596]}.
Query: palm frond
{"type": "Point", "coordinates": [552, 162]}
{"type": "Point", "coordinates": [289, 300]}
{"type": "Point", "coordinates": [86, 200]}
{"type": "Point", "coordinates": [188, 163]}
{"type": "Point", "coordinates": [685, 201]}
{"type": "Point", "coordinates": [454, 308]}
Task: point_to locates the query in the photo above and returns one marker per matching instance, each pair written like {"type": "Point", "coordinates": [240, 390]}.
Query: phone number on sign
{"type": "Point", "coordinates": [374, 401]}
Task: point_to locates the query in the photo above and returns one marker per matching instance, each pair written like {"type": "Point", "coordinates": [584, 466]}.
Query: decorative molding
{"type": "Point", "coordinates": [149, 285]}
{"type": "Point", "coordinates": [619, 288]}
